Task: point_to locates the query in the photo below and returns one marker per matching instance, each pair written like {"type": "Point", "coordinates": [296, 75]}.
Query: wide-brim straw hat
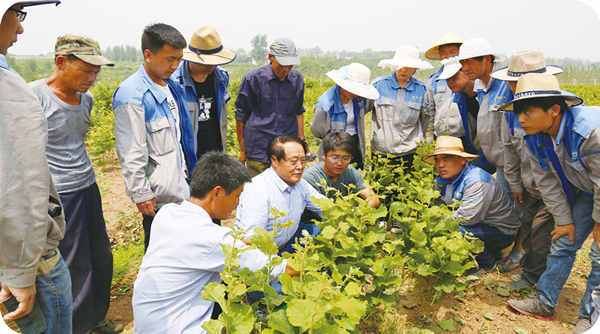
{"type": "Point", "coordinates": [449, 145]}
{"type": "Point", "coordinates": [434, 52]}
{"type": "Point", "coordinates": [206, 48]}
{"type": "Point", "coordinates": [523, 62]}
{"type": "Point", "coordinates": [451, 67]}
{"type": "Point", "coordinates": [355, 78]}
{"type": "Point", "coordinates": [477, 47]}
{"type": "Point", "coordinates": [535, 85]}
{"type": "Point", "coordinates": [405, 56]}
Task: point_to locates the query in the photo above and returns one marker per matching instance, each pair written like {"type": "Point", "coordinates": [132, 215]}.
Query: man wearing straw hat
{"type": "Point", "coordinates": [537, 222]}
{"type": "Point", "coordinates": [269, 104]}
{"type": "Point", "coordinates": [343, 107]}
{"type": "Point", "coordinates": [565, 139]}
{"type": "Point", "coordinates": [485, 207]}
{"type": "Point", "coordinates": [206, 88]}
{"type": "Point", "coordinates": [447, 118]}
{"type": "Point", "coordinates": [36, 287]}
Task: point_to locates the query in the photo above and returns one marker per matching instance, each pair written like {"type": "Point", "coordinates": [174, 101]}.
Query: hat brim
{"type": "Point", "coordinates": [449, 71]}
{"type": "Point", "coordinates": [498, 58]}
{"type": "Point", "coordinates": [96, 60]}
{"type": "Point", "coordinates": [502, 73]}
{"type": "Point", "coordinates": [430, 158]}
{"type": "Point", "coordinates": [366, 91]}
{"type": "Point", "coordinates": [288, 60]}
{"type": "Point", "coordinates": [225, 56]}
{"type": "Point", "coordinates": [395, 64]}
{"type": "Point", "coordinates": [36, 3]}
{"type": "Point", "coordinates": [571, 100]}
{"type": "Point", "coordinates": [434, 52]}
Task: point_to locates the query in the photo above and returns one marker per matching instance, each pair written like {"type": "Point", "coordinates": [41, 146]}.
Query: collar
{"type": "Point", "coordinates": [458, 177]}
{"type": "Point", "coordinates": [3, 62]}
{"type": "Point", "coordinates": [278, 181]}
{"type": "Point", "coordinates": [271, 75]}
{"type": "Point", "coordinates": [197, 209]}
{"type": "Point", "coordinates": [561, 129]}
{"type": "Point", "coordinates": [479, 86]}
{"type": "Point", "coordinates": [186, 75]}
{"type": "Point", "coordinates": [410, 86]}
{"type": "Point", "coordinates": [158, 93]}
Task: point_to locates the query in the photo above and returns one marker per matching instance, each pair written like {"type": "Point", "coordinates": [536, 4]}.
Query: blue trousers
{"type": "Point", "coordinates": [86, 250]}
{"type": "Point", "coordinates": [494, 242]}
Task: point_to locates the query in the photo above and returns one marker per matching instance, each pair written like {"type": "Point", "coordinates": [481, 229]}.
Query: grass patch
{"type": "Point", "coordinates": [126, 258]}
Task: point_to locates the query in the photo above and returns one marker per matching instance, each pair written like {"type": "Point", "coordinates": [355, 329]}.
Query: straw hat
{"type": "Point", "coordinates": [523, 62]}
{"type": "Point", "coordinates": [449, 145]}
{"type": "Point", "coordinates": [355, 79]}
{"type": "Point", "coordinates": [534, 85]}
{"type": "Point", "coordinates": [206, 48]}
{"type": "Point", "coordinates": [477, 47]}
{"type": "Point", "coordinates": [405, 56]}
{"type": "Point", "coordinates": [434, 52]}
{"type": "Point", "coordinates": [451, 67]}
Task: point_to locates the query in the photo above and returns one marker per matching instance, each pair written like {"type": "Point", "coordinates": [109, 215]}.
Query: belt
{"type": "Point", "coordinates": [48, 261]}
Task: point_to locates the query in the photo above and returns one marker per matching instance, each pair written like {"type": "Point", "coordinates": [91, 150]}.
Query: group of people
{"type": "Point", "coordinates": [170, 120]}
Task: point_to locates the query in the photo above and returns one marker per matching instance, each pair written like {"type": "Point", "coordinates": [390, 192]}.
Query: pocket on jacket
{"type": "Point", "coordinates": [161, 139]}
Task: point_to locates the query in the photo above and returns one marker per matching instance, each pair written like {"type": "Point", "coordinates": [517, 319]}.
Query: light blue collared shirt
{"type": "Point", "coordinates": [4, 62]}
{"type": "Point", "coordinates": [267, 190]}
{"type": "Point", "coordinates": [184, 255]}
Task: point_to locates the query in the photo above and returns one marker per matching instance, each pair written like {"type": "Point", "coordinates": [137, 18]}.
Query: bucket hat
{"type": "Point", "coordinates": [477, 47]}
{"type": "Point", "coordinates": [284, 50]}
{"type": "Point", "coordinates": [534, 85]}
{"type": "Point", "coordinates": [451, 67]}
{"type": "Point", "coordinates": [206, 48]}
{"type": "Point", "coordinates": [449, 145]}
{"type": "Point", "coordinates": [523, 62]}
{"type": "Point", "coordinates": [405, 56]}
{"type": "Point", "coordinates": [81, 47]}
{"type": "Point", "coordinates": [434, 52]}
{"type": "Point", "coordinates": [355, 78]}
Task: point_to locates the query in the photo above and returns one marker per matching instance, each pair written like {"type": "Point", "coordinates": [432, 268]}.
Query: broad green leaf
{"type": "Point", "coordinates": [241, 318]}
{"type": "Point", "coordinates": [278, 321]}
{"type": "Point", "coordinates": [213, 326]}
{"type": "Point", "coordinates": [328, 232]}
{"type": "Point", "coordinates": [300, 313]}
{"type": "Point", "coordinates": [447, 325]}
{"type": "Point", "coordinates": [214, 292]}
{"type": "Point", "coordinates": [352, 289]}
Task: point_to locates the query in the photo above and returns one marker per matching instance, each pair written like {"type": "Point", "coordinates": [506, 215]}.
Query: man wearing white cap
{"type": "Point", "coordinates": [537, 222]}
{"type": "Point", "coordinates": [485, 209]}
{"type": "Point", "coordinates": [447, 118]}
{"type": "Point", "coordinates": [206, 88]}
{"type": "Point", "coordinates": [269, 104]}
{"type": "Point", "coordinates": [477, 59]}
{"type": "Point", "coordinates": [36, 287]}
{"type": "Point", "coordinates": [403, 113]}
{"type": "Point", "coordinates": [343, 107]}
{"type": "Point", "coordinates": [565, 139]}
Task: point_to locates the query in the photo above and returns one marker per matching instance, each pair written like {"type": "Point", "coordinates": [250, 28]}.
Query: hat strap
{"type": "Point", "coordinates": [518, 74]}
{"type": "Point", "coordinates": [205, 52]}
{"type": "Point", "coordinates": [537, 92]}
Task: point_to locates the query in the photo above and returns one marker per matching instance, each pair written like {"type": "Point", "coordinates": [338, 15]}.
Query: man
{"type": "Point", "coordinates": [205, 85]}
{"type": "Point", "coordinates": [447, 118]}
{"type": "Point", "coordinates": [67, 105]}
{"type": "Point", "coordinates": [485, 209]}
{"type": "Point", "coordinates": [269, 104]}
{"type": "Point", "coordinates": [279, 187]}
{"type": "Point", "coordinates": [566, 144]}
{"type": "Point", "coordinates": [185, 251]}
{"type": "Point", "coordinates": [154, 134]}
{"type": "Point", "coordinates": [477, 60]}
{"type": "Point", "coordinates": [36, 288]}
{"type": "Point", "coordinates": [336, 172]}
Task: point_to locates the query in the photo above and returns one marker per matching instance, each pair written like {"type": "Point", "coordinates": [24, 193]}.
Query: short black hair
{"type": "Point", "coordinates": [545, 103]}
{"type": "Point", "coordinates": [217, 169]}
{"type": "Point", "coordinates": [155, 36]}
{"type": "Point", "coordinates": [338, 140]}
{"type": "Point", "coordinates": [276, 149]}
{"type": "Point", "coordinates": [480, 58]}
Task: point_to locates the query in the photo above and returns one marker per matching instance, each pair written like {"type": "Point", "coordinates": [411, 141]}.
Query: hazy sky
{"type": "Point", "coordinates": [560, 28]}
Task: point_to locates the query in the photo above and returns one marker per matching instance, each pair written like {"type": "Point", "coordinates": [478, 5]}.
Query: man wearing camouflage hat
{"type": "Point", "coordinates": [67, 105]}
{"type": "Point", "coordinates": [269, 104]}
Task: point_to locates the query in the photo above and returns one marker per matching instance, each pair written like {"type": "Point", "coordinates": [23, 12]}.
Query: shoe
{"type": "Point", "coordinates": [512, 261]}
{"type": "Point", "coordinates": [108, 327]}
{"type": "Point", "coordinates": [582, 326]}
{"type": "Point", "coordinates": [533, 307]}
{"type": "Point", "coordinates": [395, 227]}
{"type": "Point", "coordinates": [520, 283]}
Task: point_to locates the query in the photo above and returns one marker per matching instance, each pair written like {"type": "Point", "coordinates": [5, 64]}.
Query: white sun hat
{"type": "Point", "coordinates": [523, 62]}
{"type": "Point", "coordinates": [405, 56]}
{"type": "Point", "coordinates": [449, 38]}
{"type": "Point", "coordinates": [477, 47]}
{"type": "Point", "coordinates": [355, 78]}
{"type": "Point", "coordinates": [534, 85]}
{"type": "Point", "coordinates": [451, 67]}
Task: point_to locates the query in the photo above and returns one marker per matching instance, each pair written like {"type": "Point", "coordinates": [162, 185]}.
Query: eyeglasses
{"type": "Point", "coordinates": [338, 158]}
{"type": "Point", "coordinates": [295, 161]}
{"type": "Point", "coordinates": [21, 15]}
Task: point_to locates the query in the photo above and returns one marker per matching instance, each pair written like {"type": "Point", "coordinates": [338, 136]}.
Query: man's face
{"type": "Point", "coordinates": [405, 73]}
{"type": "Point", "coordinates": [346, 94]}
{"type": "Point", "coordinates": [226, 203]}
{"type": "Point", "coordinates": [335, 162]}
{"type": "Point", "coordinates": [476, 69]}
{"type": "Point", "coordinates": [290, 168]}
{"type": "Point", "coordinates": [280, 71]}
{"type": "Point", "coordinates": [163, 62]}
{"type": "Point", "coordinates": [77, 74]}
{"type": "Point", "coordinates": [534, 119]}
{"type": "Point", "coordinates": [458, 82]}
{"type": "Point", "coordinates": [196, 68]}
{"type": "Point", "coordinates": [448, 50]}
{"type": "Point", "coordinates": [448, 165]}
{"type": "Point", "coordinates": [10, 27]}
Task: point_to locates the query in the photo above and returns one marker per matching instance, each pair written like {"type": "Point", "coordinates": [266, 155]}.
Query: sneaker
{"type": "Point", "coordinates": [582, 326]}
{"type": "Point", "coordinates": [108, 327]}
{"type": "Point", "coordinates": [533, 307]}
{"type": "Point", "coordinates": [520, 283]}
{"type": "Point", "coordinates": [512, 261]}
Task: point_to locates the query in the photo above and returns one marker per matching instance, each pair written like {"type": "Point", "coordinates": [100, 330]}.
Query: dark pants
{"type": "Point", "coordinates": [494, 241]}
{"type": "Point", "coordinates": [147, 224]}
{"type": "Point", "coordinates": [382, 162]}
{"type": "Point", "coordinates": [357, 158]}
{"type": "Point", "coordinates": [537, 242]}
{"type": "Point", "coordinates": [86, 251]}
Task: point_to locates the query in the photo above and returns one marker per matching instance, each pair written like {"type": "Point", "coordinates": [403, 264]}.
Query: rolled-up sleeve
{"type": "Point", "coordinates": [320, 123]}
{"type": "Point", "coordinates": [300, 110]}
{"type": "Point", "coordinates": [477, 197]}
{"type": "Point", "coordinates": [512, 160]}
{"type": "Point", "coordinates": [245, 102]}
{"type": "Point", "coordinates": [590, 151]}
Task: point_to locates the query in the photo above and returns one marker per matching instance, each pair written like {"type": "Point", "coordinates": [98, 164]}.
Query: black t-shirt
{"type": "Point", "coordinates": [209, 131]}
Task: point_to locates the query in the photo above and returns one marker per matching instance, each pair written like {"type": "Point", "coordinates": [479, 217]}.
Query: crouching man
{"type": "Point", "coordinates": [485, 208]}
{"type": "Point", "coordinates": [185, 253]}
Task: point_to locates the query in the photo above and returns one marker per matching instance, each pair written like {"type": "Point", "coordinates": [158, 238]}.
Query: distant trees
{"type": "Point", "coordinates": [259, 49]}
{"type": "Point", "coordinates": [123, 53]}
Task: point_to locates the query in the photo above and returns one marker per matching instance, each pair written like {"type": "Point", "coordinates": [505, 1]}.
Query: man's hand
{"type": "Point", "coordinates": [25, 297]}
{"type": "Point", "coordinates": [596, 234]}
{"type": "Point", "coordinates": [560, 230]}
{"type": "Point", "coordinates": [147, 208]}
{"type": "Point", "coordinates": [518, 197]}
{"type": "Point", "coordinates": [242, 157]}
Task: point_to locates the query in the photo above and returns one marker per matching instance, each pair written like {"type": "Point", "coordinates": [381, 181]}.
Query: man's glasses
{"type": "Point", "coordinates": [21, 15]}
{"type": "Point", "coordinates": [340, 158]}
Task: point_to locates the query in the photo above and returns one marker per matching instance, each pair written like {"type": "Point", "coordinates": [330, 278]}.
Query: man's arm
{"type": "Point", "coordinates": [311, 192]}
{"type": "Point", "coordinates": [590, 150]}
{"type": "Point", "coordinates": [552, 193]}
{"type": "Point", "coordinates": [369, 195]}
{"type": "Point", "coordinates": [239, 131]}
{"type": "Point", "coordinates": [244, 105]}
{"type": "Point", "coordinates": [512, 162]}
{"type": "Point", "coordinates": [320, 123]}
{"type": "Point", "coordinates": [300, 119]}
{"type": "Point", "coordinates": [253, 210]}
{"type": "Point", "coordinates": [475, 203]}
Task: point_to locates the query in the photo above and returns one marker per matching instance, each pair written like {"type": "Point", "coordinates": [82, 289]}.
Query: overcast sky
{"type": "Point", "coordinates": [559, 28]}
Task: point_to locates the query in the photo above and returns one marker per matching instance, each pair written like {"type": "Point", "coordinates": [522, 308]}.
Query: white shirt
{"type": "Point", "coordinates": [184, 255]}
{"type": "Point", "coordinates": [350, 126]}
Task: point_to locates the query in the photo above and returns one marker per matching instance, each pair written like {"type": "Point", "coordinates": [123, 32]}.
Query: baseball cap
{"type": "Point", "coordinates": [284, 50]}
{"type": "Point", "coordinates": [81, 47]}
